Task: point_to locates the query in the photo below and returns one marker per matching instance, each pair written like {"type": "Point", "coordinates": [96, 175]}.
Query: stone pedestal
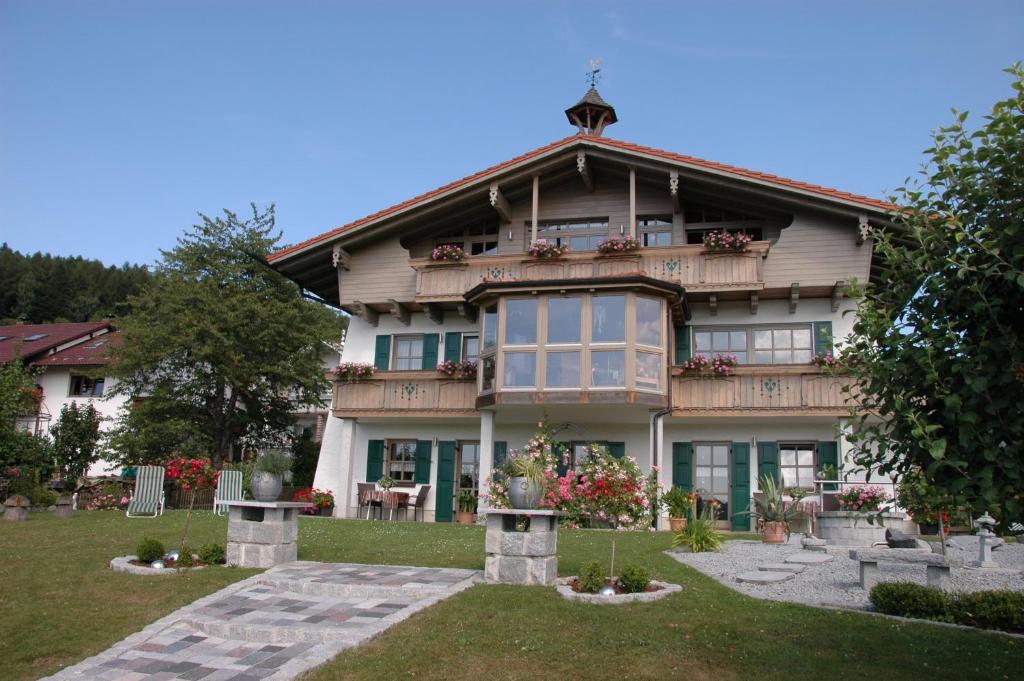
{"type": "Point", "coordinates": [16, 508]}
{"type": "Point", "coordinates": [846, 528]}
{"type": "Point", "coordinates": [65, 507]}
{"type": "Point", "coordinates": [516, 557]}
{"type": "Point", "coordinates": [262, 534]}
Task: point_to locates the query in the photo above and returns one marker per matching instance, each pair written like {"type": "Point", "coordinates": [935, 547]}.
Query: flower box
{"type": "Point", "coordinates": [545, 250]}
{"type": "Point", "coordinates": [701, 365]}
{"type": "Point", "coordinates": [448, 253]}
{"type": "Point", "coordinates": [721, 241]}
{"type": "Point", "coordinates": [354, 371]}
{"type": "Point", "coordinates": [618, 246]}
{"type": "Point", "coordinates": [464, 370]}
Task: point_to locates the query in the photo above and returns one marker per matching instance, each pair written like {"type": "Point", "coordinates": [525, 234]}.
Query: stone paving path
{"type": "Point", "coordinates": [273, 626]}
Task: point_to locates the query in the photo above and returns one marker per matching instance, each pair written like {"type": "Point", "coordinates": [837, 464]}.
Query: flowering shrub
{"type": "Point", "coordinates": [353, 371]}
{"type": "Point", "coordinates": [825, 360]}
{"type": "Point", "coordinates": [722, 241]}
{"type": "Point", "coordinates": [192, 474]}
{"type": "Point", "coordinates": [719, 365]}
{"type": "Point", "coordinates": [107, 501]}
{"type": "Point", "coordinates": [540, 453]}
{"type": "Point", "coordinates": [448, 253]}
{"type": "Point", "coordinates": [464, 369]}
{"type": "Point", "coordinates": [863, 499]}
{"type": "Point", "coordinates": [619, 245]}
{"type": "Point", "coordinates": [546, 250]}
{"type": "Point", "coordinates": [316, 498]}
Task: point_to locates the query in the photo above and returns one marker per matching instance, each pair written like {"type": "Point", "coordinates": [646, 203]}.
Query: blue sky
{"type": "Point", "coordinates": [120, 120]}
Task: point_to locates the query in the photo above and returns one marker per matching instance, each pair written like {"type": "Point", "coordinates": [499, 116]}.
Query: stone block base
{"type": "Point", "coordinates": [844, 528]}
{"type": "Point", "coordinates": [260, 555]}
{"type": "Point", "coordinates": [531, 570]}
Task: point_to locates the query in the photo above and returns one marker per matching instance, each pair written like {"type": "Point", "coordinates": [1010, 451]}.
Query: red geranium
{"type": "Point", "coordinates": [316, 498]}
{"type": "Point", "coordinates": [192, 474]}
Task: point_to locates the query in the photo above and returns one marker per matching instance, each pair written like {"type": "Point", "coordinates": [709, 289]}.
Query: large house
{"type": "Point", "coordinates": [594, 342]}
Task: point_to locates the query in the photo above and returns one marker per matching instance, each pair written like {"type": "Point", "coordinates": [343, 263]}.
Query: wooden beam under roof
{"type": "Point", "coordinates": [673, 190]}
{"type": "Point", "coordinates": [794, 296]}
{"type": "Point", "coordinates": [584, 169]}
{"type": "Point", "coordinates": [753, 302]}
{"type": "Point", "coordinates": [468, 312]}
{"type": "Point", "coordinates": [713, 304]}
{"type": "Point", "coordinates": [340, 258]}
{"type": "Point", "coordinates": [500, 203]}
{"type": "Point", "coordinates": [400, 311]}
{"type": "Point", "coordinates": [837, 294]}
{"type": "Point", "coordinates": [367, 313]}
{"type": "Point", "coordinates": [434, 312]}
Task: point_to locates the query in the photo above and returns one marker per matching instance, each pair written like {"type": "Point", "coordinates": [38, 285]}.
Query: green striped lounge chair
{"type": "Point", "coordinates": [229, 488]}
{"type": "Point", "coordinates": [148, 498]}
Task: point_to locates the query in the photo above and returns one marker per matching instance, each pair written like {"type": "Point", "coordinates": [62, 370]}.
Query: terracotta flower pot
{"type": "Point", "coordinates": [677, 524]}
{"type": "Point", "coordinates": [464, 517]}
{"type": "Point", "coordinates": [774, 533]}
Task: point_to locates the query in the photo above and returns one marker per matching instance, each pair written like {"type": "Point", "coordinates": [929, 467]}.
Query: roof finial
{"type": "Point", "coordinates": [594, 75]}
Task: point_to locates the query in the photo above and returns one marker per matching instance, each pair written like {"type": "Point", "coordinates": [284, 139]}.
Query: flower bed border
{"type": "Point", "coordinates": [665, 589]}
{"type": "Point", "coordinates": [124, 564]}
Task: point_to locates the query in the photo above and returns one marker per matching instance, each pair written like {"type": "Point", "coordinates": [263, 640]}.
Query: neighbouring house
{"type": "Point", "coordinates": [71, 357]}
{"type": "Point", "coordinates": [596, 342]}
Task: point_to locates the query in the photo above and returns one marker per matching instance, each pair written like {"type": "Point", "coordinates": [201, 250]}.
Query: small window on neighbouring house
{"type": "Point", "coordinates": [83, 386]}
{"type": "Point", "coordinates": [408, 353]}
{"type": "Point", "coordinates": [35, 337]}
{"type": "Point", "coordinates": [401, 463]}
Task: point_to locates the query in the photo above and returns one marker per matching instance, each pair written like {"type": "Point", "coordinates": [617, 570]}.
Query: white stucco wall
{"type": "Point", "coordinates": [362, 337]}
{"type": "Point", "coordinates": [777, 312]}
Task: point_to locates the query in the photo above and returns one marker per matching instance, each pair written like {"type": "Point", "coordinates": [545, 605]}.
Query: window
{"type": "Point", "coordinates": [488, 369]}
{"type": "Point", "coordinates": [648, 370]}
{"type": "Point", "coordinates": [757, 344]}
{"type": "Point", "coordinates": [470, 348]}
{"type": "Point", "coordinates": [608, 319]}
{"type": "Point", "coordinates": [583, 234]}
{"type": "Point", "coordinates": [648, 321]}
{"type": "Point", "coordinates": [697, 213]}
{"type": "Point", "coordinates": [469, 465]}
{"type": "Point", "coordinates": [490, 327]}
{"type": "Point", "coordinates": [696, 236]}
{"type": "Point", "coordinates": [563, 370]}
{"type": "Point", "coordinates": [608, 368]}
{"type": "Point", "coordinates": [711, 474]}
{"type": "Point", "coordinates": [797, 464]}
{"type": "Point", "coordinates": [408, 353]}
{"type": "Point", "coordinates": [401, 463]}
{"type": "Point", "coordinates": [35, 337]}
{"type": "Point", "coordinates": [479, 239]}
{"type": "Point", "coordinates": [83, 386]}
{"type": "Point", "coordinates": [655, 231]}
{"type": "Point", "coordinates": [564, 315]}
{"type": "Point", "coordinates": [520, 370]}
{"type": "Point", "coordinates": [521, 322]}
{"type": "Point", "coordinates": [579, 451]}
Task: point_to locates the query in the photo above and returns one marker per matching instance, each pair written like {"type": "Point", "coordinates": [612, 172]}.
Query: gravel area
{"type": "Point", "coordinates": [837, 583]}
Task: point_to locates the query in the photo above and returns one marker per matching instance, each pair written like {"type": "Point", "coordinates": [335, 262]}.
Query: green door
{"type": "Point", "coordinates": [445, 482]}
{"type": "Point", "coordinates": [739, 491]}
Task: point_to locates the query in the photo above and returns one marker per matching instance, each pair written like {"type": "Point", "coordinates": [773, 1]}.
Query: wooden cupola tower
{"type": "Point", "coordinates": [591, 114]}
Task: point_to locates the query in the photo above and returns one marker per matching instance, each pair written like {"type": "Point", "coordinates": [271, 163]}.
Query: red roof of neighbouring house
{"type": "Point", "coordinates": [742, 173]}
{"type": "Point", "coordinates": [31, 342]}
{"type": "Point", "coordinates": [93, 352]}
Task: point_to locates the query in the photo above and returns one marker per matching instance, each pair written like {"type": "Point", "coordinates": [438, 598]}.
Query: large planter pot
{"type": "Point", "coordinates": [525, 493]}
{"type": "Point", "coordinates": [774, 533]}
{"type": "Point", "coordinates": [325, 511]}
{"type": "Point", "coordinates": [266, 486]}
{"type": "Point", "coordinates": [464, 517]}
{"type": "Point", "coordinates": [849, 528]}
{"type": "Point", "coordinates": [677, 524]}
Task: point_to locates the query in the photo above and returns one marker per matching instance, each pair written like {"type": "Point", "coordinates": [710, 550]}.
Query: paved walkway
{"type": "Point", "coordinates": [274, 626]}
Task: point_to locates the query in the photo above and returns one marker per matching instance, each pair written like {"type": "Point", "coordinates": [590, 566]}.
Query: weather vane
{"type": "Point", "coordinates": [594, 74]}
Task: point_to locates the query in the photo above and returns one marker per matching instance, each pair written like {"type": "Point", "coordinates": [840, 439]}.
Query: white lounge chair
{"type": "Point", "coordinates": [148, 496]}
{"type": "Point", "coordinates": [229, 488]}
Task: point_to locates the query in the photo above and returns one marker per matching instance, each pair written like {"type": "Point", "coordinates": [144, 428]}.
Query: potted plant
{"type": "Point", "coordinates": [467, 507]}
{"type": "Point", "coordinates": [448, 253]}
{"type": "Point", "coordinates": [680, 505]}
{"type": "Point", "coordinates": [386, 483]}
{"type": "Point", "coordinates": [721, 241]}
{"type": "Point", "coordinates": [774, 513]}
{"type": "Point", "coordinates": [526, 481]}
{"type": "Point", "coordinates": [618, 245]}
{"type": "Point", "coordinates": [321, 502]}
{"type": "Point", "coordinates": [266, 477]}
{"type": "Point", "coordinates": [353, 371]}
{"type": "Point", "coordinates": [546, 250]}
{"type": "Point", "coordinates": [700, 535]}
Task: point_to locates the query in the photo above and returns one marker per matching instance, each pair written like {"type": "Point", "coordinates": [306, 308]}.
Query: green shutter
{"type": "Point", "coordinates": [617, 449]}
{"type": "Point", "coordinates": [828, 454]}
{"type": "Point", "coordinates": [563, 448]}
{"type": "Point", "coordinates": [739, 490]}
{"type": "Point", "coordinates": [374, 460]}
{"type": "Point", "coordinates": [445, 498]}
{"type": "Point", "coordinates": [682, 344]}
{"type": "Point", "coordinates": [382, 354]}
{"type": "Point", "coordinates": [768, 460]}
{"type": "Point", "coordinates": [500, 454]}
{"type": "Point", "coordinates": [422, 474]}
{"type": "Point", "coordinates": [682, 465]}
{"type": "Point", "coordinates": [453, 346]}
{"type": "Point", "coordinates": [430, 341]}
{"type": "Point", "coordinates": [822, 338]}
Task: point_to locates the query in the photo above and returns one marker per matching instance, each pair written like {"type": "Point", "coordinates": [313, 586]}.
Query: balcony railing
{"type": "Point", "coordinates": [761, 389]}
{"type": "Point", "coordinates": [689, 266]}
{"type": "Point", "coordinates": [404, 393]}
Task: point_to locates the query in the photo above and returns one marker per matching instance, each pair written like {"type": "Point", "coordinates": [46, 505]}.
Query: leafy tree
{"type": "Point", "coordinates": [18, 397]}
{"type": "Point", "coordinates": [219, 349]}
{"type": "Point", "coordinates": [76, 439]}
{"type": "Point", "coordinates": [937, 347]}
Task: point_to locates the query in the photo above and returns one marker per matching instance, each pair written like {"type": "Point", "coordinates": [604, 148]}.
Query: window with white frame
{"type": "Point", "coordinates": [84, 386]}
{"type": "Point", "coordinates": [711, 473]}
{"type": "Point", "coordinates": [401, 463]}
{"type": "Point", "coordinates": [583, 234]}
{"type": "Point", "coordinates": [796, 462]}
{"type": "Point", "coordinates": [774, 344]}
{"type": "Point", "coordinates": [470, 348]}
{"type": "Point", "coordinates": [408, 353]}
{"type": "Point", "coordinates": [655, 230]}
{"type": "Point", "coordinates": [480, 239]}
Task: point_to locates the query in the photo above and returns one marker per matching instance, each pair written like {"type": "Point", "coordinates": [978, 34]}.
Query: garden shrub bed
{"type": "Point", "coordinates": [1001, 610]}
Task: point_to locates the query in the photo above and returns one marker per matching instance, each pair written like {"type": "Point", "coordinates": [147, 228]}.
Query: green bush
{"type": "Point", "coordinates": [186, 559]}
{"type": "Point", "coordinates": [700, 533]}
{"type": "Point", "coordinates": [906, 599]}
{"type": "Point", "coordinates": [634, 579]}
{"type": "Point", "coordinates": [212, 554]}
{"type": "Point", "coordinates": [591, 577]}
{"type": "Point", "coordinates": [1002, 610]}
{"type": "Point", "coordinates": [148, 550]}
{"type": "Point", "coordinates": [44, 497]}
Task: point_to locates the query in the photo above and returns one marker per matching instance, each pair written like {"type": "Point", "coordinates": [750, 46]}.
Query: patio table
{"type": "Point", "coordinates": [387, 499]}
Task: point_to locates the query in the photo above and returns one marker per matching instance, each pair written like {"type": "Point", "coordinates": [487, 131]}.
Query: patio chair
{"type": "Point", "coordinates": [148, 496]}
{"type": "Point", "coordinates": [364, 498]}
{"type": "Point", "coordinates": [419, 503]}
{"type": "Point", "coordinates": [229, 488]}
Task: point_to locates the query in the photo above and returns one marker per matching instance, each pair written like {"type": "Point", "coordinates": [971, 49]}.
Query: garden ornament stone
{"type": "Point", "coordinates": [157, 565]}
{"type": "Point", "coordinates": [16, 508]}
{"type": "Point", "coordinates": [606, 590]}
{"type": "Point", "coordinates": [985, 534]}
{"type": "Point", "coordinates": [172, 555]}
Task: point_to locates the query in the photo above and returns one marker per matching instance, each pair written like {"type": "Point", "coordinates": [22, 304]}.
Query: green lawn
{"type": "Point", "coordinates": [55, 610]}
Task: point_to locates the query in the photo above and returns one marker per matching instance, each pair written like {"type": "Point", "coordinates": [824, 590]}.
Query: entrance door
{"type": "Point", "coordinates": [711, 474]}
{"type": "Point", "coordinates": [445, 481]}
{"type": "Point", "coordinates": [469, 468]}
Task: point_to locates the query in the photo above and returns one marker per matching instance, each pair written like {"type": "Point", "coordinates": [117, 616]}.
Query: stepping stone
{"type": "Point", "coordinates": [763, 577]}
{"type": "Point", "coordinates": [808, 558]}
{"type": "Point", "coordinates": [813, 544]}
{"type": "Point", "coordinates": [783, 567]}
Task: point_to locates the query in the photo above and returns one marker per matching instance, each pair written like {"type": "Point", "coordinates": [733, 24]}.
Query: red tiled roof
{"type": "Point", "coordinates": [827, 192]}
{"type": "Point", "coordinates": [93, 352]}
{"type": "Point", "coordinates": [55, 335]}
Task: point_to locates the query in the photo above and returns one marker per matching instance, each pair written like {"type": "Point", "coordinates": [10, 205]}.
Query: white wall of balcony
{"type": "Point", "coordinates": [361, 338]}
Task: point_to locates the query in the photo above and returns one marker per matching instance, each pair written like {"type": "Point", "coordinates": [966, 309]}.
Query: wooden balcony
{"type": "Point", "coordinates": [689, 266]}
{"type": "Point", "coordinates": [761, 390]}
{"type": "Point", "coordinates": [404, 393]}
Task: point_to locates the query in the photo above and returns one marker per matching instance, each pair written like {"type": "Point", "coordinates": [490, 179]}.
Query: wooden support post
{"type": "Point", "coordinates": [713, 304]}
{"type": "Point", "coordinates": [369, 315]}
{"type": "Point", "coordinates": [500, 203]}
{"type": "Point", "coordinates": [632, 202]}
{"type": "Point", "coordinates": [753, 303]}
{"type": "Point", "coordinates": [400, 312]}
{"type": "Point", "coordinates": [434, 312]}
{"type": "Point", "coordinates": [584, 170]}
{"type": "Point", "coordinates": [837, 294]}
{"type": "Point", "coordinates": [673, 189]}
{"type": "Point", "coordinates": [536, 208]}
{"type": "Point", "coordinates": [794, 296]}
